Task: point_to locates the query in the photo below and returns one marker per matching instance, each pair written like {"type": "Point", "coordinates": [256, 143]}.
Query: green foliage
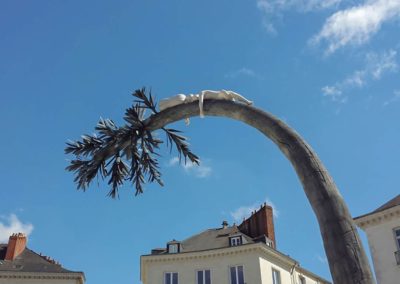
{"type": "Point", "coordinates": [127, 153]}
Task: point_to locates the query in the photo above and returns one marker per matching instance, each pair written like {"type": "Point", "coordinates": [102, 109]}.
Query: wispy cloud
{"type": "Point", "coordinates": [244, 71]}
{"type": "Point", "coordinates": [376, 65]}
{"type": "Point", "coordinates": [245, 211]}
{"type": "Point", "coordinates": [199, 171]}
{"type": "Point", "coordinates": [11, 224]}
{"type": "Point", "coordinates": [333, 93]}
{"type": "Point", "coordinates": [322, 259]}
{"type": "Point", "coordinates": [357, 24]}
{"type": "Point", "coordinates": [173, 161]}
{"type": "Point", "coordinates": [395, 98]}
{"type": "Point", "coordinates": [273, 9]}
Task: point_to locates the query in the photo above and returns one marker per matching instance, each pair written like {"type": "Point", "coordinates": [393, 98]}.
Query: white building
{"type": "Point", "coordinates": [382, 227]}
{"type": "Point", "coordinates": [243, 254]}
{"type": "Point", "coordinates": [20, 265]}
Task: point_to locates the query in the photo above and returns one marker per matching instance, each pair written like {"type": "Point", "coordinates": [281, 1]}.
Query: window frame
{"type": "Point", "coordinates": [397, 237]}
{"type": "Point", "coordinates": [278, 272]}
{"type": "Point", "coordinates": [204, 275]}
{"type": "Point", "coordinates": [171, 273]}
{"type": "Point", "coordinates": [302, 279]}
{"type": "Point", "coordinates": [237, 274]}
{"type": "Point", "coordinates": [174, 245]}
{"type": "Point", "coordinates": [235, 241]}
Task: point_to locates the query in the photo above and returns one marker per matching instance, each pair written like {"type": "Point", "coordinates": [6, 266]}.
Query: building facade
{"type": "Point", "coordinates": [20, 265]}
{"type": "Point", "coordinates": [382, 227]}
{"type": "Point", "coordinates": [244, 254]}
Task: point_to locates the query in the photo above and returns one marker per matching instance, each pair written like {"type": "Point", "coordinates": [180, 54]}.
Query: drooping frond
{"type": "Point", "coordinates": [181, 145]}
{"type": "Point", "coordinates": [127, 153]}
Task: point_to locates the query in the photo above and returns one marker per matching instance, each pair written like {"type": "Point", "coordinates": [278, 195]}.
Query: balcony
{"type": "Point", "coordinates": [397, 256]}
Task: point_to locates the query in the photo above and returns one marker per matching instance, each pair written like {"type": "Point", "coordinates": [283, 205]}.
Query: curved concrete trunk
{"type": "Point", "coordinates": [347, 260]}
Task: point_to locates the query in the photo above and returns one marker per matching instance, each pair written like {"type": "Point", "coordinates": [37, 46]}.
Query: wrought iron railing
{"type": "Point", "coordinates": [397, 256]}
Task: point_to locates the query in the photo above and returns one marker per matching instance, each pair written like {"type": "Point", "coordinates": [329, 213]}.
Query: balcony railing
{"type": "Point", "coordinates": [397, 256]}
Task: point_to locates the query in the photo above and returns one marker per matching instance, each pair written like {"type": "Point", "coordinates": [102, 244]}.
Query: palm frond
{"type": "Point", "coordinates": [124, 153]}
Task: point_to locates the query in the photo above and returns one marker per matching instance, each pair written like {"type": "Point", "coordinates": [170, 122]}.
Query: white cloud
{"type": "Point", "coordinates": [10, 225]}
{"type": "Point", "coordinates": [322, 259]}
{"type": "Point", "coordinates": [379, 64]}
{"type": "Point", "coordinates": [333, 93]}
{"type": "Point", "coordinates": [376, 65]}
{"type": "Point", "coordinates": [245, 211]}
{"type": "Point", "coordinates": [244, 71]}
{"type": "Point", "coordinates": [271, 6]}
{"type": "Point", "coordinates": [393, 99]}
{"type": "Point", "coordinates": [273, 9]}
{"type": "Point", "coordinates": [173, 161]}
{"type": "Point", "coordinates": [356, 25]}
{"type": "Point", "coordinates": [357, 79]}
{"type": "Point", "coordinates": [199, 171]}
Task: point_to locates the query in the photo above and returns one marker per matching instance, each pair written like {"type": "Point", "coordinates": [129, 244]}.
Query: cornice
{"type": "Point", "coordinates": [42, 275]}
{"type": "Point", "coordinates": [377, 218]}
{"type": "Point", "coordinates": [200, 254]}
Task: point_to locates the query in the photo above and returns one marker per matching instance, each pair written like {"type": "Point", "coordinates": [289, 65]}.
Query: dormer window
{"type": "Point", "coordinates": [173, 247]}
{"type": "Point", "coordinates": [235, 241]}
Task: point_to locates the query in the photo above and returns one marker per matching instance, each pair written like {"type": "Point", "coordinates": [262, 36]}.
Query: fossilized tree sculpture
{"type": "Point", "coordinates": [347, 260]}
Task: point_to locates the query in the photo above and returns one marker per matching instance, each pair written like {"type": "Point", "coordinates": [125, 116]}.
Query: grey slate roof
{"type": "Point", "coordinates": [29, 261]}
{"type": "Point", "coordinates": [391, 203]}
{"type": "Point", "coordinates": [212, 239]}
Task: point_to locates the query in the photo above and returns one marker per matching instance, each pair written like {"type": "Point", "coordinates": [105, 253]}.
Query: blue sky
{"type": "Point", "coordinates": [329, 68]}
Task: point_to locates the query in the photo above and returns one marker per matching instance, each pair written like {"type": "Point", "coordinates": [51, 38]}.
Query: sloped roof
{"type": "Point", "coordinates": [391, 203]}
{"type": "Point", "coordinates": [212, 239]}
{"type": "Point", "coordinates": [29, 261]}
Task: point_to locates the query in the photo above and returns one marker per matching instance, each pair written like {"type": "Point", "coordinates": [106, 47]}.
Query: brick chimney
{"type": "Point", "coordinates": [259, 224]}
{"type": "Point", "coordinates": [16, 245]}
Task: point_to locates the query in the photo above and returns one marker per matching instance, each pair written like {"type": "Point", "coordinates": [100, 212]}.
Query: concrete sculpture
{"type": "Point", "coordinates": [203, 95]}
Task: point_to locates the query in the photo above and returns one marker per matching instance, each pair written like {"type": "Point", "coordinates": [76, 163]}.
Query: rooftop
{"type": "Point", "coordinates": [257, 228]}
{"type": "Point", "coordinates": [29, 261]}
{"type": "Point", "coordinates": [390, 204]}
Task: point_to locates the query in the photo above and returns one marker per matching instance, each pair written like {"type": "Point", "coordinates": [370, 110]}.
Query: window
{"type": "Point", "coordinates": [204, 277]}
{"type": "Point", "coordinates": [173, 248]}
{"type": "Point", "coordinates": [396, 232]}
{"type": "Point", "coordinates": [302, 280]}
{"type": "Point", "coordinates": [276, 276]}
{"type": "Point", "coordinates": [237, 275]}
{"type": "Point", "coordinates": [397, 237]}
{"type": "Point", "coordinates": [171, 278]}
{"type": "Point", "coordinates": [236, 241]}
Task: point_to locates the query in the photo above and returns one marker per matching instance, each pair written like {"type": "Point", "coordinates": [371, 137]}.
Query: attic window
{"type": "Point", "coordinates": [235, 241]}
{"type": "Point", "coordinates": [173, 248]}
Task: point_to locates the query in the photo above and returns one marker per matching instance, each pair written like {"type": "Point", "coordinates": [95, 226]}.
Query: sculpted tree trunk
{"type": "Point", "coordinates": [347, 260]}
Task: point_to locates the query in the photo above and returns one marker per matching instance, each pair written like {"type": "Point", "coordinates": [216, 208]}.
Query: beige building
{"type": "Point", "coordinates": [243, 254]}
{"type": "Point", "coordinates": [382, 227]}
{"type": "Point", "coordinates": [20, 265]}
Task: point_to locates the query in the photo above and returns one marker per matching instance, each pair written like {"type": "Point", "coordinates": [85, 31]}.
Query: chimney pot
{"type": "Point", "coordinates": [260, 223]}
{"type": "Point", "coordinates": [16, 245]}
{"type": "Point", "coordinates": [224, 224]}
